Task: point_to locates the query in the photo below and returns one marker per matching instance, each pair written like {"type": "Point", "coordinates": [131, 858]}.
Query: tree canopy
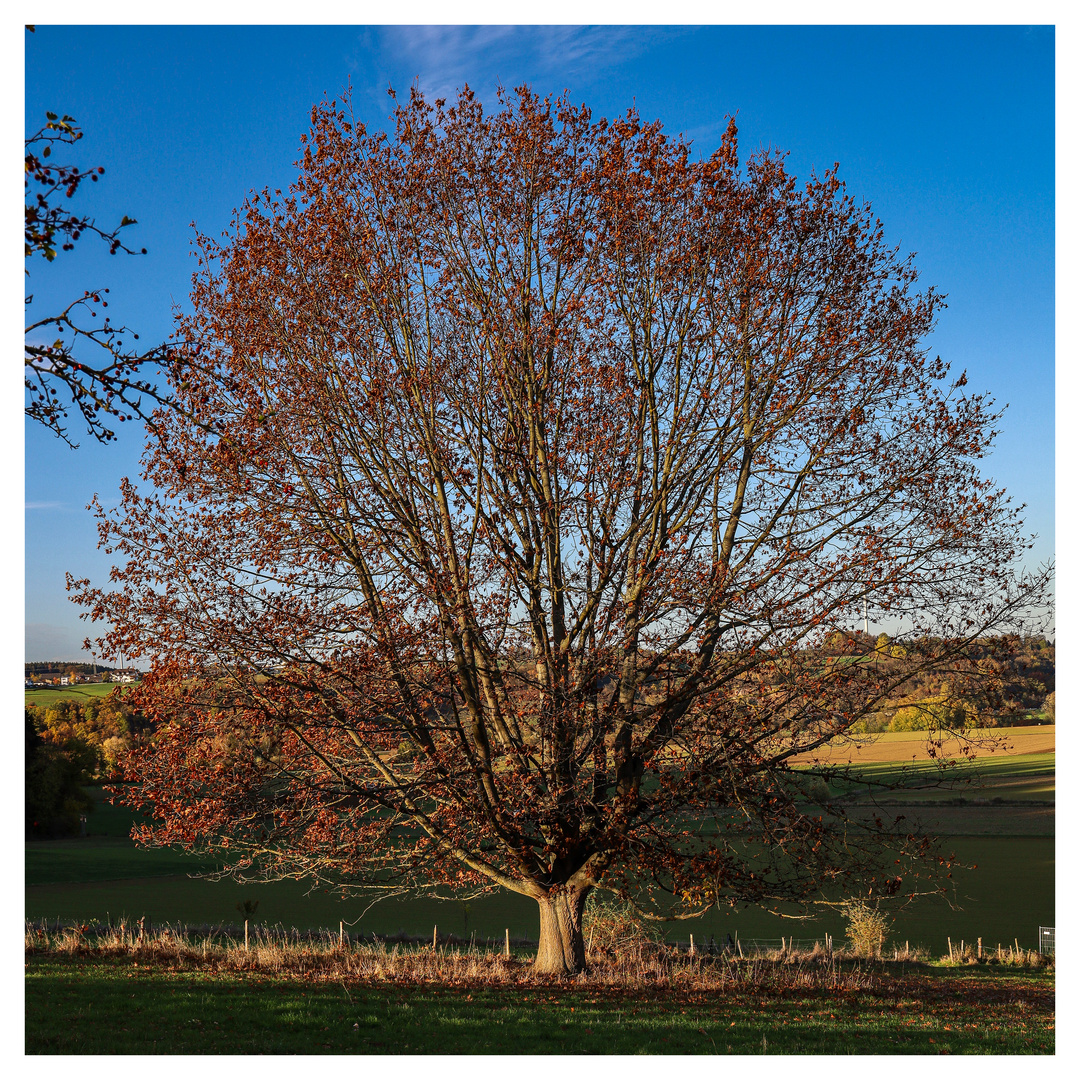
{"type": "Point", "coordinates": [525, 462]}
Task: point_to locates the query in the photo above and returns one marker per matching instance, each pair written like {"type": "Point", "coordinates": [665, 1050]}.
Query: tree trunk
{"type": "Point", "coordinates": [562, 942]}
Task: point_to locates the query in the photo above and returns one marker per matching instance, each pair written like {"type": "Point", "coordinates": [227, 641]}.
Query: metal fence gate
{"type": "Point", "coordinates": [1046, 940]}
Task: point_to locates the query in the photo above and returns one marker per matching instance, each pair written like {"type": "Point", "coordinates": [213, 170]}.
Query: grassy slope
{"type": "Point", "coordinates": [86, 1006]}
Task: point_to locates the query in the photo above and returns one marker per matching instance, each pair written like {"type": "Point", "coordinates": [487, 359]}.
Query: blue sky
{"type": "Point", "coordinates": [947, 130]}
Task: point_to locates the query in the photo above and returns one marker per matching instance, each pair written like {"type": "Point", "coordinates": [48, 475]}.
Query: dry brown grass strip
{"type": "Point", "coordinates": [639, 965]}
{"type": "Point", "coordinates": [636, 966]}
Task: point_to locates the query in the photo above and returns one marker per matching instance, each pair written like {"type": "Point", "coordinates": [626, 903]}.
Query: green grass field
{"type": "Point", "coordinates": [989, 906]}
{"type": "Point", "coordinates": [45, 698]}
{"type": "Point", "coordinates": [86, 1006]}
{"type": "Point", "coordinates": [104, 877]}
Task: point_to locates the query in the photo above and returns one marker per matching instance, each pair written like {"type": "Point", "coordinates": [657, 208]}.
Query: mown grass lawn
{"type": "Point", "coordinates": [93, 1006]}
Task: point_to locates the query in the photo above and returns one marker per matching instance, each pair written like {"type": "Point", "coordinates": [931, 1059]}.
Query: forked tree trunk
{"type": "Point", "coordinates": [562, 942]}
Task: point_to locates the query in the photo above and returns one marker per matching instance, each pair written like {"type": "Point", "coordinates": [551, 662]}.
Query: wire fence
{"type": "Point", "coordinates": [742, 945]}
{"type": "Point", "coordinates": [783, 943]}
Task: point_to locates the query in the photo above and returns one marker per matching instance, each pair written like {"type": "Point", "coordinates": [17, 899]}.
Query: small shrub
{"type": "Point", "coordinates": [613, 928]}
{"type": "Point", "coordinates": [867, 927]}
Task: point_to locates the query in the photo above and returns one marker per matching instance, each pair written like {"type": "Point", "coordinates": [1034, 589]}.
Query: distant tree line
{"type": "Point", "coordinates": [42, 667]}
{"type": "Point", "coordinates": [79, 741]}
{"type": "Point", "coordinates": [1015, 676]}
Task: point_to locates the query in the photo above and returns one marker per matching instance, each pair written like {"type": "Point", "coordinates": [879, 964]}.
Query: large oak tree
{"type": "Point", "coordinates": [525, 460]}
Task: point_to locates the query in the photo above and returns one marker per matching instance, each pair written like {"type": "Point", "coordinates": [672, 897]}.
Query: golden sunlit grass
{"type": "Point", "coordinates": [636, 961]}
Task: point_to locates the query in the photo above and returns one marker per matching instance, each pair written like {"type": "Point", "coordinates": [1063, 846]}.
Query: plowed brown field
{"type": "Point", "coordinates": [903, 746]}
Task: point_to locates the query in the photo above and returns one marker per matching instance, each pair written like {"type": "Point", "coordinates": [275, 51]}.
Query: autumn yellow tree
{"type": "Point", "coordinates": [525, 459]}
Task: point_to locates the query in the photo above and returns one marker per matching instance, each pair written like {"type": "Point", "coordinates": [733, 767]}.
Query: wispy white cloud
{"type": "Point", "coordinates": [44, 506]}
{"type": "Point", "coordinates": [442, 59]}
